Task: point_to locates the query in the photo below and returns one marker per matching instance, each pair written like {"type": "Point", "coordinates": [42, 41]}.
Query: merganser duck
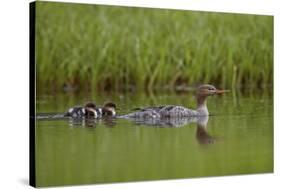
{"type": "Point", "coordinates": [89, 110]}
{"type": "Point", "coordinates": [108, 109]}
{"type": "Point", "coordinates": [203, 92]}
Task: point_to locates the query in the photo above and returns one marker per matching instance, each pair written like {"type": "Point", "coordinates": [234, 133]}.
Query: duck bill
{"type": "Point", "coordinates": [221, 91]}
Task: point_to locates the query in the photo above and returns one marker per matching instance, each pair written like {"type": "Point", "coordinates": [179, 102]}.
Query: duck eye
{"type": "Point", "coordinates": [210, 89]}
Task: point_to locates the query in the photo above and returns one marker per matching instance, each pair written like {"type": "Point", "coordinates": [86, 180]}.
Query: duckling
{"type": "Point", "coordinates": [89, 110]}
{"type": "Point", "coordinates": [108, 109]}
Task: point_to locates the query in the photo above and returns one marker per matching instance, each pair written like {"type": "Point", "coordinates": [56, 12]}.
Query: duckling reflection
{"type": "Point", "coordinates": [109, 121]}
{"type": "Point", "coordinates": [83, 122]}
{"type": "Point", "coordinates": [88, 122]}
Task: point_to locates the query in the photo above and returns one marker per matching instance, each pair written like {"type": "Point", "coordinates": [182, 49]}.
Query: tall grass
{"type": "Point", "coordinates": [112, 48]}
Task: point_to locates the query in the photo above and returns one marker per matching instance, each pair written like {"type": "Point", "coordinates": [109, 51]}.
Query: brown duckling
{"type": "Point", "coordinates": [89, 110]}
{"type": "Point", "coordinates": [109, 109]}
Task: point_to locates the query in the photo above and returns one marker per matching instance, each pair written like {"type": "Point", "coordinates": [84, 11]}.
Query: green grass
{"type": "Point", "coordinates": [112, 48]}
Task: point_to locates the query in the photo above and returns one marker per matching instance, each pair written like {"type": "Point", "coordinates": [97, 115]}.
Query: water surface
{"type": "Point", "coordinates": [236, 139]}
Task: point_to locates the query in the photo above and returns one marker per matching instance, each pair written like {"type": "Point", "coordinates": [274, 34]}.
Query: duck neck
{"type": "Point", "coordinates": [202, 105]}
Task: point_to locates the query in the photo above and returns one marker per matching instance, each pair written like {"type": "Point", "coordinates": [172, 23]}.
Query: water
{"type": "Point", "coordinates": [236, 139]}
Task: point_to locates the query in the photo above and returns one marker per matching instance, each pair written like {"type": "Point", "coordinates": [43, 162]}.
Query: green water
{"type": "Point", "coordinates": [237, 139]}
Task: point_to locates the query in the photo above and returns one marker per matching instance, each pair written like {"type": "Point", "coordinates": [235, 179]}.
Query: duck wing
{"type": "Point", "coordinates": [155, 108]}
{"type": "Point", "coordinates": [141, 114]}
{"type": "Point", "coordinates": [177, 111]}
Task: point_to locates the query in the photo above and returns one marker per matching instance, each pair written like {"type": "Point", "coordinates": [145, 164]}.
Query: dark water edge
{"type": "Point", "coordinates": [237, 139]}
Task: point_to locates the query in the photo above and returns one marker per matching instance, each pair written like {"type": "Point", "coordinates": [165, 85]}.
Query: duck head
{"type": "Point", "coordinates": [208, 90]}
{"type": "Point", "coordinates": [203, 91]}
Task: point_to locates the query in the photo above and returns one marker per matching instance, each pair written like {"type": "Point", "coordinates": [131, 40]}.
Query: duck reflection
{"type": "Point", "coordinates": [202, 136]}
